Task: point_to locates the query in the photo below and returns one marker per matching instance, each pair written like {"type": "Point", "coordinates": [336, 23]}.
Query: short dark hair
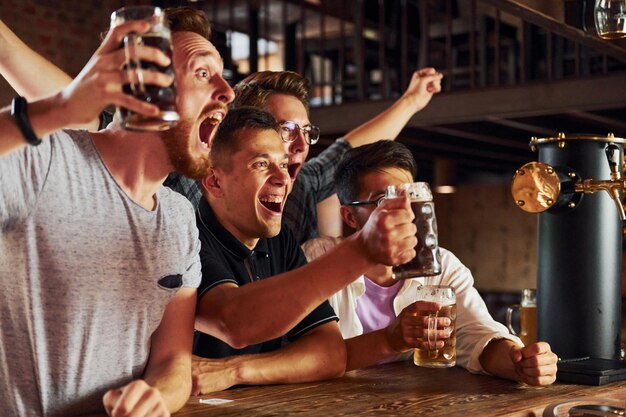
{"type": "Point", "coordinates": [183, 19]}
{"type": "Point", "coordinates": [256, 88]}
{"type": "Point", "coordinates": [227, 139]}
{"type": "Point", "coordinates": [368, 158]}
{"type": "Point", "coordinates": [186, 19]}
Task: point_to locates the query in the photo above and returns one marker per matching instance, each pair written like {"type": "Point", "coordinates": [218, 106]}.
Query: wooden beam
{"type": "Point", "coordinates": [476, 137]}
{"type": "Point", "coordinates": [461, 152]}
{"type": "Point", "coordinates": [534, 130]}
{"type": "Point", "coordinates": [618, 127]}
{"type": "Point", "coordinates": [536, 99]}
{"type": "Point", "coordinates": [527, 13]}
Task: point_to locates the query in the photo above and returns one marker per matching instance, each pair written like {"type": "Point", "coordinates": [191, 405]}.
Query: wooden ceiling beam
{"type": "Point", "coordinates": [524, 11]}
{"type": "Point", "coordinates": [534, 130]}
{"type": "Point", "coordinates": [476, 137]}
{"type": "Point", "coordinates": [612, 125]}
{"type": "Point", "coordinates": [527, 100]}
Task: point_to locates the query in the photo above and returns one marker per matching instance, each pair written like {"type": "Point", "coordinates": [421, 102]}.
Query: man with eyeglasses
{"type": "Point", "coordinates": [262, 314]}
{"type": "Point", "coordinates": [378, 314]}
{"type": "Point", "coordinates": [285, 95]}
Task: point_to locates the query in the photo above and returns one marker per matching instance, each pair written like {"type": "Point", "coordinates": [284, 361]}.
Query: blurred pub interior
{"type": "Point", "coordinates": [513, 69]}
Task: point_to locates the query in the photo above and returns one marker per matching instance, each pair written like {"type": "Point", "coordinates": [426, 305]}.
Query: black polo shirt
{"type": "Point", "coordinates": [226, 259]}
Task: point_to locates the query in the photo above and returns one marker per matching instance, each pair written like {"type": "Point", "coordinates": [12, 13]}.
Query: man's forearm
{"type": "Point", "coordinates": [173, 380]}
{"type": "Point", "coordinates": [29, 73]}
{"type": "Point", "coordinates": [45, 117]}
{"type": "Point", "coordinates": [232, 314]}
{"type": "Point", "coordinates": [495, 359]}
{"type": "Point", "coordinates": [368, 349]}
{"type": "Point", "coordinates": [316, 356]}
{"type": "Point", "coordinates": [386, 125]}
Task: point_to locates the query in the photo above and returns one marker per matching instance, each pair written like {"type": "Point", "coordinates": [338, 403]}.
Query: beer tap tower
{"type": "Point", "coordinates": [578, 195]}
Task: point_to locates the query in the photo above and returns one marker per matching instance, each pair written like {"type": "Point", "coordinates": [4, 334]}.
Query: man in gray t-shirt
{"type": "Point", "coordinates": [86, 274]}
{"type": "Point", "coordinates": [98, 261]}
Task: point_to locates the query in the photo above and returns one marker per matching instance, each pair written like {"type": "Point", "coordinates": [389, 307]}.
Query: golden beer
{"type": "Point", "coordinates": [528, 324]}
{"type": "Point", "coordinates": [432, 357]}
{"type": "Point", "coordinates": [527, 317]}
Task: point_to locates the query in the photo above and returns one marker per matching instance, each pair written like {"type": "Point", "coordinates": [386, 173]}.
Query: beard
{"type": "Point", "coordinates": [176, 141]}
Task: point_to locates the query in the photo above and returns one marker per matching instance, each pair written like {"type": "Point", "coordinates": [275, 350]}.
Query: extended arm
{"type": "Point", "coordinates": [388, 124]}
{"type": "Point", "coordinates": [534, 364]}
{"type": "Point", "coordinates": [266, 309]}
{"type": "Point", "coordinates": [318, 355]}
{"type": "Point", "coordinates": [98, 85]}
{"type": "Point", "coordinates": [29, 73]}
{"type": "Point", "coordinates": [168, 374]}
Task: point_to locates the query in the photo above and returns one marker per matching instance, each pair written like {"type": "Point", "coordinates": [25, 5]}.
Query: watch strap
{"type": "Point", "coordinates": [19, 112]}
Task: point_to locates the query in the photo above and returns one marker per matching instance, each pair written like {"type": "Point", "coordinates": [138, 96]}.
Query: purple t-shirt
{"type": "Point", "coordinates": [375, 306]}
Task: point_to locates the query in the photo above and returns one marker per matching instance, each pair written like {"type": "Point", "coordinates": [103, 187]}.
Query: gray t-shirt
{"type": "Point", "coordinates": [86, 274]}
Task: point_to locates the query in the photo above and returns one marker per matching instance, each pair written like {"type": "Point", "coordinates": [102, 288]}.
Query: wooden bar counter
{"type": "Point", "coordinates": [400, 389]}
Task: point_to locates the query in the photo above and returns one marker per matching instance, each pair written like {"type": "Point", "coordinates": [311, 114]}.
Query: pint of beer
{"type": "Point", "coordinates": [427, 260]}
{"type": "Point", "coordinates": [438, 346]}
{"type": "Point", "coordinates": [159, 36]}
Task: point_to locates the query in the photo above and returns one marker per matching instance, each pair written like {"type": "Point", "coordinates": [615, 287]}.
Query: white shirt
{"type": "Point", "coordinates": [474, 325]}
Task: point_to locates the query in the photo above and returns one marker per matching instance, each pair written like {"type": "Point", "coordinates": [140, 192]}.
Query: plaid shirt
{"type": "Point", "coordinates": [315, 182]}
{"type": "Point", "coordinates": [185, 186]}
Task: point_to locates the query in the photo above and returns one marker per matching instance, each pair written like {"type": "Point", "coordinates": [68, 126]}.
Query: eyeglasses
{"type": "Point", "coordinates": [377, 201]}
{"type": "Point", "coordinates": [289, 132]}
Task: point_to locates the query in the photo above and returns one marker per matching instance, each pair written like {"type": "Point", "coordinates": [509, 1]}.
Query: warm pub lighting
{"type": "Point", "coordinates": [444, 176]}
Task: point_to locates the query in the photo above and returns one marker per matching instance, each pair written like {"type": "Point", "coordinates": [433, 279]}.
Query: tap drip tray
{"type": "Point", "coordinates": [591, 371]}
{"type": "Point", "coordinates": [585, 407]}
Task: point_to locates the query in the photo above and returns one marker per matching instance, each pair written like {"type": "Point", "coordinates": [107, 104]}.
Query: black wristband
{"type": "Point", "coordinates": [19, 107]}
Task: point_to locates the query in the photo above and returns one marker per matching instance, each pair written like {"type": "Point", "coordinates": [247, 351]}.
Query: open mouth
{"type": "Point", "coordinates": [293, 171]}
{"type": "Point", "coordinates": [208, 126]}
{"type": "Point", "coordinates": [273, 203]}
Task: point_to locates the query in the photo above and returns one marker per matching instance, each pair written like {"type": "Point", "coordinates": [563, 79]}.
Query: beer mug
{"type": "Point", "coordinates": [158, 36]}
{"type": "Point", "coordinates": [527, 317]}
{"type": "Point", "coordinates": [427, 260]}
{"type": "Point", "coordinates": [437, 351]}
{"type": "Point", "coordinates": [610, 18]}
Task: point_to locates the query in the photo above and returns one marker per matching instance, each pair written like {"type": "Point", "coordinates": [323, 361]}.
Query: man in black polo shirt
{"type": "Point", "coordinates": [257, 330]}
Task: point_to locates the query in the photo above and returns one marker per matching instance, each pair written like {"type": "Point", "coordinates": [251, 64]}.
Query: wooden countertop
{"type": "Point", "coordinates": [400, 389]}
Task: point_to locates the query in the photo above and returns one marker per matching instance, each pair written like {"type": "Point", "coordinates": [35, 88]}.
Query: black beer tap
{"type": "Point", "coordinates": [579, 250]}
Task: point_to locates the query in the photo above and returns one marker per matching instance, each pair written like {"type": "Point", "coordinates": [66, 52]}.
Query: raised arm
{"type": "Point", "coordinates": [318, 355]}
{"type": "Point", "coordinates": [29, 73]}
{"type": "Point", "coordinates": [167, 379]}
{"type": "Point", "coordinates": [267, 309]}
{"type": "Point", "coordinates": [98, 85]}
{"type": "Point", "coordinates": [388, 124]}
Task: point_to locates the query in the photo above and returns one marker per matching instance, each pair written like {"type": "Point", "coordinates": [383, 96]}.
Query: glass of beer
{"type": "Point", "coordinates": [438, 346]}
{"type": "Point", "coordinates": [610, 18]}
{"type": "Point", "coordinates": [158, 36]}
{"type": "Point", "coordinates": [527, 317]}
{"type": "Point", "coordinates": [427, 260]}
